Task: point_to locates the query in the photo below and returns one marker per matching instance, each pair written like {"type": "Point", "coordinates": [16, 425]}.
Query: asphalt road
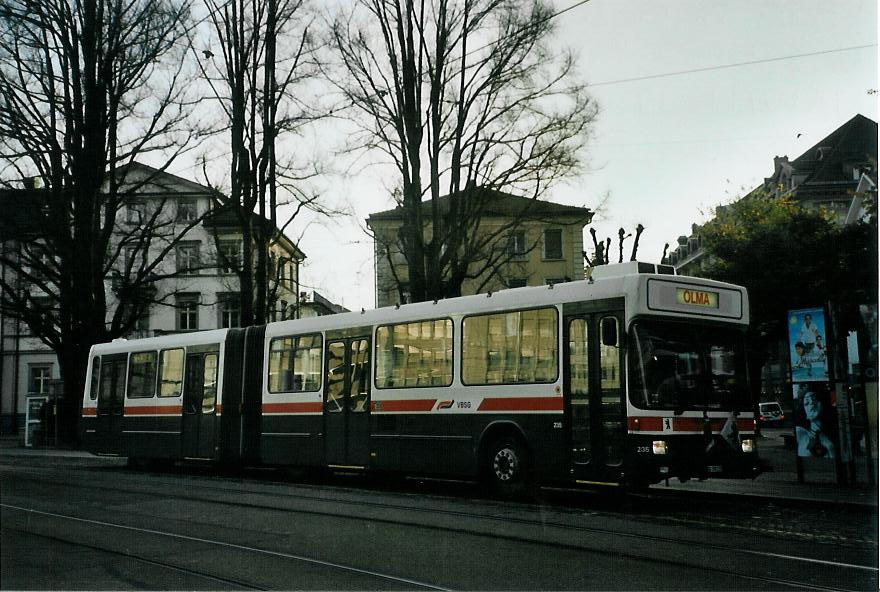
{"type": "Point", "coordinates": [95, 524]}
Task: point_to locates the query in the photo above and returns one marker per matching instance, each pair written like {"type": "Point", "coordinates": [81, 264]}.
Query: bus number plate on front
{"type": "Point", "coordinates": [714, 468]}
{"type": "Point", "coordinates": [692, 297]}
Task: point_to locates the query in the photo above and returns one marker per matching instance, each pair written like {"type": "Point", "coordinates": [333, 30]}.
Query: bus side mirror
{"type": "Point", "coordinates": [609, 331]}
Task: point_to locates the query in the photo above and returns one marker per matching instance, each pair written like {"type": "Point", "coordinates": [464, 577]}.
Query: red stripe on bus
{"type": "Point", "coordinates": [307, 407]}
{"type": "Point", "coordinates": [154, 410]}
{"type": "Point", "coordinates": [90, 411]}
{"type": "Point", "coordinates": [404, 405]}
{"type": "Point", "coordinates": [694, 424]}
{"type": "Point", "coordinates": [745, 425]}
{"type": "Point", "coordinates": [521, 404]}
{"type": "Point", "coordinates": [645, 424]}
{"type": "Point", "coordinates": [684, 424]}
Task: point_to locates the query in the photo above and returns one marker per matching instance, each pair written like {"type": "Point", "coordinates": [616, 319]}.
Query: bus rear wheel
{"type": "Point", "coordinates": [506, 466]}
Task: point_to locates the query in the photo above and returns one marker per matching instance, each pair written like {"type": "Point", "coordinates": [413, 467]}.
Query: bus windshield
{"type": "Point", "coordinates": [687, 366]}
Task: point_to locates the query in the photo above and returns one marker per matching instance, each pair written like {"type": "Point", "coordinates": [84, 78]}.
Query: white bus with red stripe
{"type": "Point", "coordinates": [632, 376]}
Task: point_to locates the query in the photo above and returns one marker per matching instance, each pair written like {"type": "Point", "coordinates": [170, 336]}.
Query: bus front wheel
{"type": "Point", "coordinates": [506, 466]}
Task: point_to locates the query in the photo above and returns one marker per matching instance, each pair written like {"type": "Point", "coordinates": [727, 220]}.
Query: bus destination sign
{"type": "Point", "coordinates": [692, 297]}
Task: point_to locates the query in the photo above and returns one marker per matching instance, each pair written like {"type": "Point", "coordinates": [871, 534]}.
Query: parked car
{"type": "Point", "coordinates": [771, 414]}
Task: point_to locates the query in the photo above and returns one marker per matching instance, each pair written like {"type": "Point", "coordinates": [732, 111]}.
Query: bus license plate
{"type": "Point", "coordinates": [715, 468]}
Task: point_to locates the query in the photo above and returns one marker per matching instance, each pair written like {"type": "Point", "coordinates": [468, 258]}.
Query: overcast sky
{"type": "Point", "coordinates": [666, 148]}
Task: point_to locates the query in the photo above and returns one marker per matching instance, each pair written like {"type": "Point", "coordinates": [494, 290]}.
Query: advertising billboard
{"type": "Point", "coordinates": [815, 421]}
{"type": "Point", "coordinates": [807, 341]}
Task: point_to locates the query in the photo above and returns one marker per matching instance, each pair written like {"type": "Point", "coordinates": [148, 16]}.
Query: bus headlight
{"type": "Point", "coordinates": [748, 445]}
{"type": "Point", "coordinates": [659, 446]}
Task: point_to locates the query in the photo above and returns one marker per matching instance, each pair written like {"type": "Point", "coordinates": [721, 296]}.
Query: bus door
{"type": "Point", "coordinates": [199, 405]}
{"type": "Point", "coordinates": [347, 402]}
{"type": "Point", "coordinates": [594, 393]}
{"type": "Point", "coordinates": [111, 404]}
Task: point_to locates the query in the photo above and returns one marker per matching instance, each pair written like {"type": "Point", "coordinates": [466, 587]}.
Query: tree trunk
{"type": "Point", "coordinates": [73, 361]}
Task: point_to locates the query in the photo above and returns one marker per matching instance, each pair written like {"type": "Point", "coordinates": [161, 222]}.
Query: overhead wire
{"type": "Point", "coordinates": [733, 65]}
{"type": "Point", "coordinates": [677, 72]}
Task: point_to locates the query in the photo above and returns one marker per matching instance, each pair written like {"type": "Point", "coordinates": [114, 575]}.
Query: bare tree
{"type": "Point", "coordinates": [262, 74]}
{"type": "Point", "coordinates": [602, 250]}
{"type": "Point", "coordinates": [465, 98]}
{"type": "Point", "coordinates": [86, 87]}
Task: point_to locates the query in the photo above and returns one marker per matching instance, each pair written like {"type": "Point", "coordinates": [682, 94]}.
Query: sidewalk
{"type": "Point", "coordinates": [778, 483]}
{"type": "Point", "coordinates": [12, 445]}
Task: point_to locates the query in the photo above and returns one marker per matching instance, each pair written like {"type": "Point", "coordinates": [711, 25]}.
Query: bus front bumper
{"type": "Point", "coordinates": [694, 458]}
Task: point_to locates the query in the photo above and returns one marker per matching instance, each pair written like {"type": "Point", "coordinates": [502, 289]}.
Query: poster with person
{"type": "Point", "coordinates": [815, 421]}
{"type": "Point", "coordinates": [807, 345]}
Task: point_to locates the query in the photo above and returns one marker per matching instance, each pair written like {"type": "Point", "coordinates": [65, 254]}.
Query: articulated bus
{"type": "Point", "coordinates": [630, 377]}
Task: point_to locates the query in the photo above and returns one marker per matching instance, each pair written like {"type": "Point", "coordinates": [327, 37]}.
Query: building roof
{"type": "Point", "coordinates": [147, 180]}
{"type": "Point", "coordinates": [24, 217]}
{"type": "Point", "coordinates": [852, 143]}
{"type": "Point", "coordinates": [225, 216]}
{"type": "Point", "coordinates": [825, 170]}
{"type": "Point", "coordinates": [499, 203]}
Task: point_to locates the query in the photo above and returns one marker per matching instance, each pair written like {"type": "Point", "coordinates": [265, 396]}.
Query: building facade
{"type": "Point", "coordinates": [835, 175]}
{"type": "Point", "coordinates": [530, 242]}
{"type": "Point", "coordinates": [198, 248]}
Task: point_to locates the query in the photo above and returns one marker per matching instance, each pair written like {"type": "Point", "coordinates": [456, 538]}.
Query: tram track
{"type": "Point", "coordinates": [775, 581]}
{"type": "Point", "coordinates": [220, 484]}
{"type": "Point", "coordinates": [237, 547]}
{"type": "Point", "coordinates": [320, 496]}
{"type": "Point", "coordinates": [471, 518]}
{"type": "Point", "coordinates": [139, 558]}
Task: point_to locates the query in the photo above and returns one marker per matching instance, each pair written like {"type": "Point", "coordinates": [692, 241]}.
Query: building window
{"type": "Point", "coordinates": [553, 243]}
{"type": "Point", "coordinates": [188, 258]}
{"type": "Point", "coordinates": [516, 244]}
{"type": "Point", "coordinates": [143, 320]}
{"type": "Point", "coordinates": [286, 274]}
{"type": "Point", "coordinates": [229, 307]}
{"type": "Point", "coordinates": [39, 379]}
{"type": "Point", "coordinates": [46, 306]}
{"type": "Point", "coordinates": [187, 210]}
{"type": "Point", "coordinates": [41, 263]}
{"type": "Point", "coordinates": [135, 213]}
{"type": "Point", "coordinates": [230, 256]}
{"type": "Point", "coordinates": [554, 281]}
{"type": "Point", "coordinates": [128, 259]}
{"type": "Point", "coordinates": [404, 293]}
{"type": "Point", "coordinates": [187, 312]}
{"type": "Point", "coordinates": [517, 283]}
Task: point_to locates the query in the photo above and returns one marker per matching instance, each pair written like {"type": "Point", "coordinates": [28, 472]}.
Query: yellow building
{"type": "Point", "coordinates": [510, 241]}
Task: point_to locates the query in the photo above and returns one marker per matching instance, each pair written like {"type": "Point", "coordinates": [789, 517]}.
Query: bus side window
{"type": "Point", "coordinates": [142, 375]}
{"type": "Point", "coordinates": [609, 353]}
{"type": "Point", "coordinates": [510, 347]}
{"type": "Point", "coordinates": [578, 360]}
{"type": "Point", "coordinates": [612, 407]}
{"type": "Point", "coordinates": [414, 354]}
{"type": "Point", "coordinates": [579, 378]}
{"type": "Point", "coordinates": [170, 372]}
{"type": "Point", "coordinates": [359, 388]}
{"type": "Point", "coordinates": [209, 388]}
{"type": "Point", "coordinates": [96, 378]}
{"type": "Point", "coordinates": [295, 364]}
